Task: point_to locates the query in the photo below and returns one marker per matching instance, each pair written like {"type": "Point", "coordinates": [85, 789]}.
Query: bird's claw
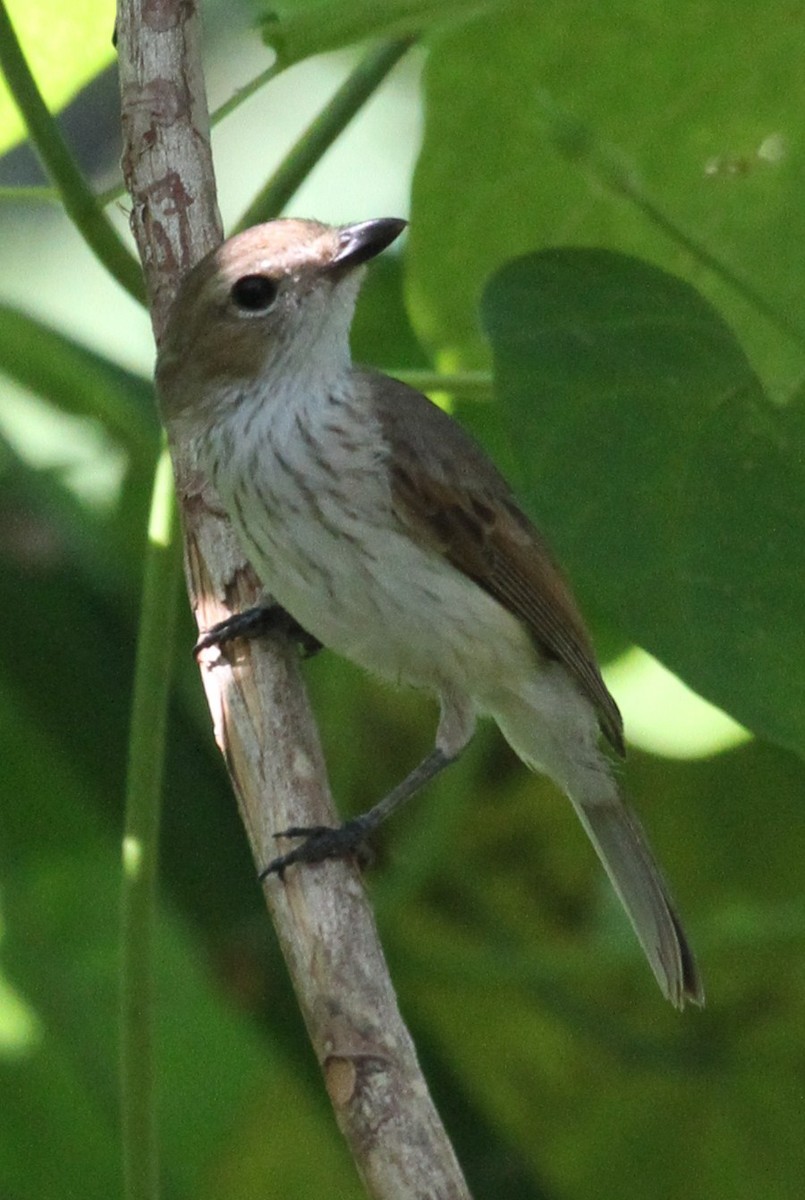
{"type": "Point", "coordinates": [258, 622]}
{"type": "Point", "coordinates": [320, 842]}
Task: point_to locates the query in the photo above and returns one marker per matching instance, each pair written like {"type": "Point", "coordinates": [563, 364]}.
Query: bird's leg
{"type": "Point", "coordinates": [258, 622]}
{"type": "Point", "coordinates": [325, 841]}
{"type": "Point", "coordinates": [456, 726]}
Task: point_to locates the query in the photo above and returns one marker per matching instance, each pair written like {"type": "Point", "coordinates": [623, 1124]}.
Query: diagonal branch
{"type": "Point", "coordinates": [262, 721]}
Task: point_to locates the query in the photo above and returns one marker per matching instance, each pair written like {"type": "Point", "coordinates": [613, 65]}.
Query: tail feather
{"type": "Point", "coordinates": [554, 729]}
{"type": "Point", "coordinates": [620, 843]}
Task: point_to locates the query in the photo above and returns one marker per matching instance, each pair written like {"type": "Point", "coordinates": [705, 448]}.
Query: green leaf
{"type": "Point", "coordinates": [672, 488]}
{"type": "Point", "coordinates": [503, 172]}
{"type": "Point", "coordinates": [80, 381]}
{"type": "Point", "coordinates": [66, 45]}
{"type": "Point", "coordinates": [516, 962]}
{"type": "Point", "coordinates": [298, 28]}
{"type": "Point", "coordinates": [225, 1087]}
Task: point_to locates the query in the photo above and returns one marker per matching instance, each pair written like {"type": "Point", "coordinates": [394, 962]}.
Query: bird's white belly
{"type": "Point", "coordinates": [325, 542]}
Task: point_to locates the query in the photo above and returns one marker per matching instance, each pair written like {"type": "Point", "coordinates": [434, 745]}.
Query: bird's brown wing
{"type": "Point", "coordinates": [447, 491]}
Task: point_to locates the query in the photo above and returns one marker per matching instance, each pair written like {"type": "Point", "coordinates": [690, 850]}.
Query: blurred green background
{"type": "Point", "coordinates": [672, 486]}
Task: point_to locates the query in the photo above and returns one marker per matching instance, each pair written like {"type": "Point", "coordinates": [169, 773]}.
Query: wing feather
{"type": "Point", "coordinates": [469, 514]}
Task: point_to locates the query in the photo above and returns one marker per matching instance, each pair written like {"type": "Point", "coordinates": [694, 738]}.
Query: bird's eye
{"type": "Point", "coordinates": [254, 293]}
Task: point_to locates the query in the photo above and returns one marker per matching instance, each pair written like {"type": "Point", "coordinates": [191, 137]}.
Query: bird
{"type": "Point", "coordinates": [383, 531]}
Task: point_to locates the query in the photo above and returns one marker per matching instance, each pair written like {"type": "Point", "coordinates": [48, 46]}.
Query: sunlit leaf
{"type": "Point", "coordinates": [696, 107]}
{"type": "Point", "coordinates": [66, 45]}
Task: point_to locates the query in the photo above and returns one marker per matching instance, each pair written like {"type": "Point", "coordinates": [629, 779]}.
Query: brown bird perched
{"type": "Point", "coordinates": [387, 534]}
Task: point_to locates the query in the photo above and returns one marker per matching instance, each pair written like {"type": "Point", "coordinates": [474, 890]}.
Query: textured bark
{"type": "Point", "coordinates": [260, 713]}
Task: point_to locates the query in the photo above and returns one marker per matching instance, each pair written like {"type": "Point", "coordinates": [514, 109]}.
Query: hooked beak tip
{"type": "Point", "coordinates": [364, 241]}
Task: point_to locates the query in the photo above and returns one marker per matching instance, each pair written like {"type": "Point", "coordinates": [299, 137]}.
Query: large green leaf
{"type": "Point", "coordinates": [673, 489]}
{"type": "Point", "coordinates": [694, 107]}
{"type": "Point", "coordinates": [66, 45]}
{"type": "Point", "coordinates": [79, 381]}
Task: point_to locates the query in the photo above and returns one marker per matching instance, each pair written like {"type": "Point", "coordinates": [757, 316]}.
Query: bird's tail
{"type": "Point", "coordinates": [620, 843]}
{"type": "Point", "coordinates": [554, 730]}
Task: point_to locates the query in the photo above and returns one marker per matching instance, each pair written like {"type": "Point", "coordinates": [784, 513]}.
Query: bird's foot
{"type": "Point", "coordinates": [259, 622]}
{"type": "Point", "coordinates": [321, 842]}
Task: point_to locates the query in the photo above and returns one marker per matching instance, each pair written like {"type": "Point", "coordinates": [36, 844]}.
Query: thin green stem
{"type": "Point", "coordinates": [241, 95]}
{"type": "Point", "coordinates": [79, 202]}
{"type": "Point", "coordinates": [29, 195]}
{"type": "Point", "coordinates": [322, 132]}
{"type": "Point", "coordinates": [468, 385]}
{"type": "Point", "coordinates": [141, 838]}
